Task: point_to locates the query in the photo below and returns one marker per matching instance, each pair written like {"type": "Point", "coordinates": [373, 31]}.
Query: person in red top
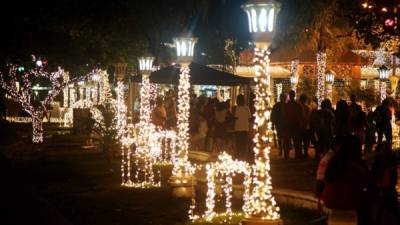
{"type": "Point", "coordinates": [293, 115]}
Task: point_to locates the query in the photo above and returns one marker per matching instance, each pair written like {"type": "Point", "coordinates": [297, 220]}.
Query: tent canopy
{"type": "Point", "coordinates": [199, 75]}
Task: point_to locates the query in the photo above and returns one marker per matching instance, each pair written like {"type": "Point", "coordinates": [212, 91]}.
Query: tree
{"type": "Point", "coordinates": [321, 26]}
{"type": "Point", "coordinates": [377, 22]}
{"type": "Point", "coordinates": [18, 86]}
{"type": "Point", "coordinates": [307, 86]}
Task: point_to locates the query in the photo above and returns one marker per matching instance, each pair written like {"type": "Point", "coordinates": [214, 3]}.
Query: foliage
{"type": "Point", "coordinates": [364, 95]}
{"type": "Point", "coordinates": [369, 20]}
{"type": "Point", "coordinates": [307, 85]}
{"type": "Point", "coordinates": [315, 25]}
{"type": "Point", "coordinates": [103, 120]}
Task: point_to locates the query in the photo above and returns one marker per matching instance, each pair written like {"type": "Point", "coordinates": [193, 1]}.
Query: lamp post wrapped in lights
{"type": "Point", "coordinates": [262, 206]}
{"type": "Point", "coordinates": [182, 174]}
{"type": "Point", "coordinates": [329, 79]}
{"type": "Point", "coordinates": [383, 76]}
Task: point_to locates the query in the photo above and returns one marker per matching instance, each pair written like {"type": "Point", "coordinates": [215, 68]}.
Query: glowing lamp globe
{"type": "Point", "coordinates": [261, 15]}
{"type": "Point", "coordinates": [383, 73]}
{"type": "Point", "coordinates": [146, 64]}
{"type": "Point", "coordinates": [185, 48]}
{"type": "Point", "coordinates": [330, 76]}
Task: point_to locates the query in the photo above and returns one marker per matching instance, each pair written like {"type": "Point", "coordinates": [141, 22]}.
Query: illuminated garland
{"type": "Point", "coordinates": [23, 96]}
{"type": "Point", "coordinates": [226, 168]}
{"type": "Point", "coordinates": [382, 89]}
{"type": "Point", "coordinates": [321, 65]}
{"type": "Point", "coordinates": [182, 165]}
{"type": "Point", "coordinates": [261, 203]}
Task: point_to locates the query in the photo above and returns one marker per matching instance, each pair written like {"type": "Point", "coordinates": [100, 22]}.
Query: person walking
{"type": "Point", "coordinates": [242, 116]}
{"type": "Point", "coordinates": [277, 119]}
{"type": "Point", "coordinates": [293, 115]}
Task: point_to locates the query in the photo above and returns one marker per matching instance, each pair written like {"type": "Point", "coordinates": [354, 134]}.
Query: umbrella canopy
{"type": "Point", "coordinates": [199, 75]}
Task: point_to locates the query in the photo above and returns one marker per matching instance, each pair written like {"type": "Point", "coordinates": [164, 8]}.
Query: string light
{"type": "Point", "coordinates": [23, 96]}
{"type": "Point", "coordinates": [321, 65]}
{"type": "Point", "coordinates": [261, 203]}
{"type": "Point", "coordinates": [181, 171]}
{"type": "Point", "coordinates": [224, 167]}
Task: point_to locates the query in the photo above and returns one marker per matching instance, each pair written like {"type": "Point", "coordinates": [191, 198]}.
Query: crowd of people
{"type": "Point", "coordinates": [299, 123]}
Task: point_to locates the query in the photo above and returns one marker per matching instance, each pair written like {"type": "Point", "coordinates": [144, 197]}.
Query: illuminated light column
{"type": "Point", "coordinates": [321, 65]}
{"type": "Point", "coordinates": [65, 91]}
{"type": "Point", "coordinates": [329, 78]}
{"type": "Point", "coordinates": [182, 178]}
{"type": "Point", "coordinates": [383, 76]}
{"type": "Point", "coordinates": [294, 76]}
{"type": "Point", "coordinates": [121, 123]}
{"type": "Point", "coordinates": [394, 81]}
{"type": "Point", "coordinates": [279, 89]}
{"type": "Point", "coordinates": [144, 161]}
{"type": "Point", "coordinates": [293, 82]}
{"type": "Point", "coordinates": [261, 207]}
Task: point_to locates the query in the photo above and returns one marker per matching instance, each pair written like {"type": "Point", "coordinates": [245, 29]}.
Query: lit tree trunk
{"type": "Point", "coordinates": [321, 66]}
{"type": "Point", "coordinates": [37, 128]}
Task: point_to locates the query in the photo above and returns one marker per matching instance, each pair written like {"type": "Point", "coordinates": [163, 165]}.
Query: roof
{"type": "Point", "coordinates": [199, 75]}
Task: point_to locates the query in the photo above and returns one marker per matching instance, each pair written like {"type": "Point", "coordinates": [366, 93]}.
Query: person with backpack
{"type": "Point", "coordinates": [384, 180]}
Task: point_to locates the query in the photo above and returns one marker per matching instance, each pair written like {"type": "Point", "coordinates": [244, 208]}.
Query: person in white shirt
{"type": "Point", "coordinates": [242, 116]}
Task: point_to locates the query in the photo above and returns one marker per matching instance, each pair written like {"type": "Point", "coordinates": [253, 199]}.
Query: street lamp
{"type": "Point", "coordinates": [383, 76]}
{"type": "Point", "coordinates": [182, 180]}
{"type": "Point", "coordinates": [329, 79]}
{"type": "Point", "coordinates": [262, 206]}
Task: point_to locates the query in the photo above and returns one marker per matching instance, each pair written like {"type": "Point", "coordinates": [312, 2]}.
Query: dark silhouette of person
{"type": "Point", "coordinates": [347, 181]}
{"type": "Point", "coordinates": [384, 180]}
{"type": "Point", "coordinates": [324, 126]}
{"type": "Point", "coordinates": [277, 119]}
{"type": "Point", "coordinates": [383, 117]}
{"type": "Point", "coordinates": [342, 115]}
{"type": "Point", "coordinates": [305, 129]}
{"type": "Point", "coordinates": [292, 112]}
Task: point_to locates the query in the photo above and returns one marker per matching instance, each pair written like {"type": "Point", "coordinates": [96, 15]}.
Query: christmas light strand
{"type": "Point", "coordinates": [321, 66]}
{"type": "Point", "coordinates": [182, 165]}
{"type": "Point", "coordinates": [261, 203]}
{"type": "Point", "coordinates": [222, 173]}
{"type": "Point", "coordinates": [23, 94]}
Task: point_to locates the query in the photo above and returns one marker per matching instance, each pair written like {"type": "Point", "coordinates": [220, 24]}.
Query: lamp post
{"type": "Point", "coordinates": [262, 206]}
{"type": "Point", "coordinates": [383, 76]}
{"type": "Point", "coordinates": [329, 79]}
{"type": "Point", "coordinates": [182, 175]}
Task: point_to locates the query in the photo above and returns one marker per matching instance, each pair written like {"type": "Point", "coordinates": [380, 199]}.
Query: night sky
{"type": "Point", "coordinates": [76, 33]}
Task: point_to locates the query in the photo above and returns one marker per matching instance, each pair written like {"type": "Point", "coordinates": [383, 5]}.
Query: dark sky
{"type": "Point", "coordinates": [76, 32]}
